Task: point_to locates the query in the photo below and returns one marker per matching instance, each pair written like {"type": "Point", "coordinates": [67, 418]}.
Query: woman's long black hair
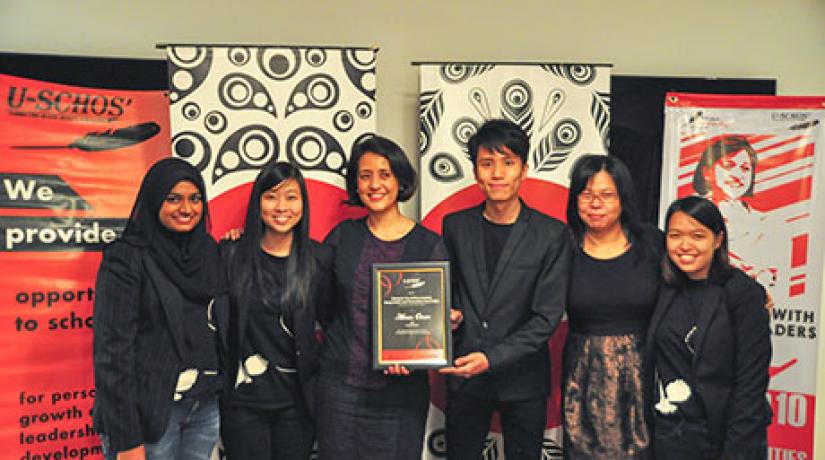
{"type": "Point", "coordinates": [245, 265]}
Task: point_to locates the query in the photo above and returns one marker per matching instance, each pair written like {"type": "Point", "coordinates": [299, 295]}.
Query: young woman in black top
{"type": "Point", "coordinates": [709, 342]}
{"type": "Point", "coordinates": [275, 277]}
{"type": "Point", "coordinates": [158, 296]}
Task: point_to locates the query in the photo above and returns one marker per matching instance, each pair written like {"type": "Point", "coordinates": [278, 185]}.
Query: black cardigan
{"type": "Point", "coordinates": [731, 362]}
{"type": "Point", "coordinates": [138, 345]}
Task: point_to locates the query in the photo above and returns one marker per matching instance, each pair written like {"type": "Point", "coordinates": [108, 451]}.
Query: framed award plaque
{"type": "Point", "coordinates": [411, 315]}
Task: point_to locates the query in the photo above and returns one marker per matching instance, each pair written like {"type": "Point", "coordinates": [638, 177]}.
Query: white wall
{"type": "Point", "coordinates": [720, 38]}
{"type": "Point", "coordinates": [784, 40]}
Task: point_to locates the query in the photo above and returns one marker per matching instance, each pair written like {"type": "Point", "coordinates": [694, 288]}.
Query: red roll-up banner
{"type": "Point", "coordinates": [759, 159]}
{"type": "Point", "coordinates": [72, 161]}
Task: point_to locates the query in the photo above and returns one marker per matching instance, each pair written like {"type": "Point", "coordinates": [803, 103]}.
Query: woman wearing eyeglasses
{"type": "Point", "coordinates": [613, 287]}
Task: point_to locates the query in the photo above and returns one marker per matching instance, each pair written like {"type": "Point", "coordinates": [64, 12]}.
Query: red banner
{"type": "Point", "coordinates": [759, 158]}
{"type": "Point", "coordinates": [73, 159]}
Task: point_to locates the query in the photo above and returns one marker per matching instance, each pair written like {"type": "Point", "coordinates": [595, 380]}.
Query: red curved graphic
{"type": "Point", "coordinates": [386, 285]}
{"type": "Point", "coordinates": [775, 370]}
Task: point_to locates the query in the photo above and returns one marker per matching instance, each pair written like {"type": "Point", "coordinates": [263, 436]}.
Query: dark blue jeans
{"type": "Point", "coordinates": [191, 433]}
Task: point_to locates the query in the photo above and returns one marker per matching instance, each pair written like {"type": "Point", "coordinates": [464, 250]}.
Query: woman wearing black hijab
{"type": "Point", "coordinates": [155, 335]}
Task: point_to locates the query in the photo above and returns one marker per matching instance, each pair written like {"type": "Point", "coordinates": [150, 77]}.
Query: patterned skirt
{"type": "Point", "coordinates": [604, 411]}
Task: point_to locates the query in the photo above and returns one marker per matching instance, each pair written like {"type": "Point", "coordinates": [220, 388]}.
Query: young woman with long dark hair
{"type": "Point", "coordinates": [709, 343]}
{"type": "Point", "coordinates": [275, 278]}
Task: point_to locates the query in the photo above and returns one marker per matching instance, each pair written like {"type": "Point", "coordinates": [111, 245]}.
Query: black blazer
{"type": "Point", "coordinates": [511, 318]}
{"type": "Point", "coordinates": [304, 320]}
{"type": "Point", "coordinates": [731, 361]}
{"type": "Point", "coordinates": [138, 345]}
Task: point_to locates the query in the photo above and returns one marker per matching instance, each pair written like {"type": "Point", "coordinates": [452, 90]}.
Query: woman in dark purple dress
{"type": "Point", "coordinates": [365, 413]}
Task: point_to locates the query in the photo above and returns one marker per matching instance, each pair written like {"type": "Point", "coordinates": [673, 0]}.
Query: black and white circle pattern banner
{"type": "Point", "coordinates": [236, 108]}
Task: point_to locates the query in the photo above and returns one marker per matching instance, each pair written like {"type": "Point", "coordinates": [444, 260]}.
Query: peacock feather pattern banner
{"type": "Point", "coordinates": [565, 109]}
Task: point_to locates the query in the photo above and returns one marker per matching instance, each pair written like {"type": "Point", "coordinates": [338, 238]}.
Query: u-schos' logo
{"type": "Point", "coordinates": [22, 99]}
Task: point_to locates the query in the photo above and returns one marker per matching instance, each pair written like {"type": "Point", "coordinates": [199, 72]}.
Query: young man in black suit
{"type": "Point", "coordinates": [510, 266]}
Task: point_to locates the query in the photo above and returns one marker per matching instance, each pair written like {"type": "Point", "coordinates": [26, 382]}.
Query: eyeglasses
{"type": "Point", "coordinates": [605, 196]}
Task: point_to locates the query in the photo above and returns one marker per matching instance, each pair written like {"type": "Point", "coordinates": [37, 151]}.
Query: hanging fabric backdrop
{"type": "Point", "coordinates": [565, 109]}
{"type": "Point", "coordinates": [768, 186]}
{"type": "Point", "coordinates": [73, 158]}
{"type": "Point", "coordinates": [236, 108]}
